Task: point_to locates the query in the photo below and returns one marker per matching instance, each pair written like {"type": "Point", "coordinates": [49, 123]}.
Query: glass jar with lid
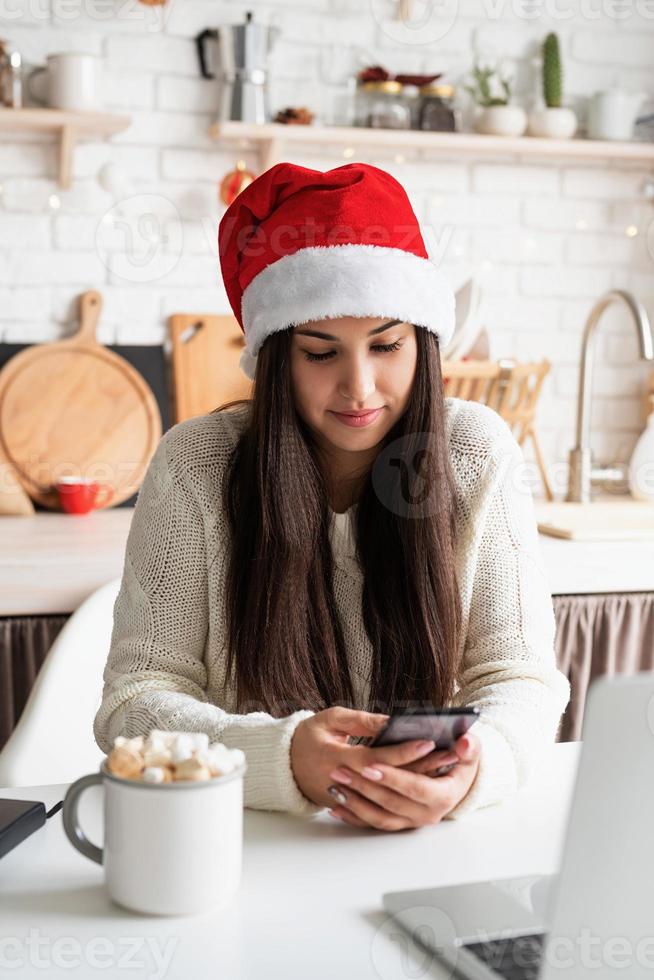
{"type": "Point", "coordinates": [437, 112]}
{"type": "Point", "coordinates": [380, 106]}
{"type": "Point", "coordinates": [410, 96]}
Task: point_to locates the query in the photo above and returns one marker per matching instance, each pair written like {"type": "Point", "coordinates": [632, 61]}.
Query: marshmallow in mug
{"type": "Point", "coordinates": [165, 757]}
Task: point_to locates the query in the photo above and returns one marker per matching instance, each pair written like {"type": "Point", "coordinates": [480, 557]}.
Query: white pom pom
{"type": "Point", "coordinates": [248, 363]}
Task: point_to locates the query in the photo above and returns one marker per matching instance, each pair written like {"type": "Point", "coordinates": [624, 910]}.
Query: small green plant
{"type": "Point", "coordinates": [552, 72]}
{"type": "Point", "coordinates": [485, 79]}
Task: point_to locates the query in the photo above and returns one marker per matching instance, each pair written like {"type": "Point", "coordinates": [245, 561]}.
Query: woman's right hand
{"type": "Point", "coordinates": [320, 745]}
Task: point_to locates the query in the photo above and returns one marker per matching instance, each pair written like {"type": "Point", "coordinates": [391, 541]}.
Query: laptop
{"type": "Point", "coordinates": [595, 917]}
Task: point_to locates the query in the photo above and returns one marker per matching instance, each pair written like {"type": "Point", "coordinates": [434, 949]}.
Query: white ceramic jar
{"type": "Point", "coordinates": [641, 465]}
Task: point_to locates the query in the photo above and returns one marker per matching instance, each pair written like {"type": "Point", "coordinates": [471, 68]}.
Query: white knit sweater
{"type": "Point", "coordinates": [166, 667]}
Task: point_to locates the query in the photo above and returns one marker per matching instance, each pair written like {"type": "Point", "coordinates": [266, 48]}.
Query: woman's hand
{"type": "Point", "coordinates": [320, 745]}
{"type": "Point", "coordinates": [390, 798]}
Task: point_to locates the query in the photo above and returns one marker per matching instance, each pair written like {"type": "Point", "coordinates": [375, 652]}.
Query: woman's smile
{"type": "Point", "coordinates": [358, 421]}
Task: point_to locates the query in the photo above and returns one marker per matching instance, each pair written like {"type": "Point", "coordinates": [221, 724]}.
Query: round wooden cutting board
{"type": "Point", "coordinates": [75, 408]}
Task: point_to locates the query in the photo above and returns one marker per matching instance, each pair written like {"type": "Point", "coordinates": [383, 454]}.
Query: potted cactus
{"type": "Point", "coordinates": [554, 119]}
{"type": "Point", "coordinates": [492, 94]}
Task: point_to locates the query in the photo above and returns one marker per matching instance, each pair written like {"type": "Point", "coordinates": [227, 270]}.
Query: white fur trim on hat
{"type": "Point", "coordinates": [248, 364]}
{"type": "Point", "coordinates": [329, 281]}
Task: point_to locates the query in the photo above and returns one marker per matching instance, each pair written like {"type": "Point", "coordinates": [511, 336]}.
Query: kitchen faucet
{"type": "Point", "coordinates": [582, 474]}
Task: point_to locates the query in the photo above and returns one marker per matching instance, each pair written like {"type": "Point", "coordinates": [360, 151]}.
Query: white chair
{"type": "Point", "coordinates": [53, 741]}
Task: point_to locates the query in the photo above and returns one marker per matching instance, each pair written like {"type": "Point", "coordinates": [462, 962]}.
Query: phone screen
{"type": "Point", "coordinates": [443, 726]}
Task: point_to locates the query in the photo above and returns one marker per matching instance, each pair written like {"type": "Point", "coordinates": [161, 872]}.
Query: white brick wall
{"type": "Point", "coordinates": [544, 238]}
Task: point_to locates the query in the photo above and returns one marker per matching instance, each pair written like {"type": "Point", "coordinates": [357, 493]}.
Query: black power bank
{"type": "Point", "coordinates": [18, 819]}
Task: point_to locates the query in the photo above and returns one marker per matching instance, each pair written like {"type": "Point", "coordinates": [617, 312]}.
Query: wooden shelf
{"type": "Point", "coordinates": [69, 126]}
{"type": "Point", "coordinates": [271, 138]}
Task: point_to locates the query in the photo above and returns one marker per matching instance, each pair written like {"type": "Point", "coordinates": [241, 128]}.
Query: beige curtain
{"type": "Point", "coordinates": [24, 644]}
{"type": "Point", "coordinates": [600, 634]}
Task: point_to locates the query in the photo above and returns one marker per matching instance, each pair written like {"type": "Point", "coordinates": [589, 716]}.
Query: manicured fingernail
{"type": "Point", "coordinates": [424, 747]}
{"type": "Point", "coordinates": [338, 795]}
{"type": "Point", "coordinates": [371, 773]}
{"type": "Point", "coordinates": [336, 816]}
{"type": "Point", "coordinates": [465, 741]}
{"type": "Point", "coordinates": [340, 776]}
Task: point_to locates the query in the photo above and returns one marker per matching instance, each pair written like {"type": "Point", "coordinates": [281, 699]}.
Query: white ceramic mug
{"type": "Point", "coordinates": [169, 848]}
{"type": "Point", "coordinates": [612, 114]}
{"type": "Point", "coordinates": [73, 79]}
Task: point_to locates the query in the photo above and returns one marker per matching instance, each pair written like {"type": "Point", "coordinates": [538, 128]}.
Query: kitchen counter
{"type": "Point", "coordinates": [593, 567]}
{"type": "Point", "coordinates": [50, 562]}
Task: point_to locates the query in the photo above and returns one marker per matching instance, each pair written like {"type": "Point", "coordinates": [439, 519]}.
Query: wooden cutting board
{"type": "Point", "coordinates": [14, 502]}
{"type": "Point", "coordinates": [206, 353]}
{"type": "Point", "coordinates": [613, 520]}
{"type": "Point", "coordinates": [74, 407]}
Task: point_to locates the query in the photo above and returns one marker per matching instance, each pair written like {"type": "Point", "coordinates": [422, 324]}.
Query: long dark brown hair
{"type": "Point", "coordinates": [285, 641]}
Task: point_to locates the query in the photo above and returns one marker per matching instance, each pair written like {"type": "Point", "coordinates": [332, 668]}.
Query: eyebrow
{"type": "Point", "coordinates": [328, 336]}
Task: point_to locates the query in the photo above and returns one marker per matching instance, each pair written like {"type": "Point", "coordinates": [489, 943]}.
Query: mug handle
{"type": "Point", "coordinates": [28, 85]}
{"type": "Point", "coordinates": [74, 832]}
{"type": "Point", "coordinates": [108, 493]}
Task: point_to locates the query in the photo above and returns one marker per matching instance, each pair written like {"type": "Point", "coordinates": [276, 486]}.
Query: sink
{"type": "Point", "coordinates": [616, 519]}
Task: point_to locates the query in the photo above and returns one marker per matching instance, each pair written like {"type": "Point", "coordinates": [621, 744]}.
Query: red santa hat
{"type": "Point", "coordinates": [299, 245]}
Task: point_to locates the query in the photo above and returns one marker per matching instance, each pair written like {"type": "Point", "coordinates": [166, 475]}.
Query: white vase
{"type": "Point", "coordinates": [502, 120]}
{"type": "Point", "coordinates": [555, 122]}
{"type": "Point", "coordinates": [641, 465]}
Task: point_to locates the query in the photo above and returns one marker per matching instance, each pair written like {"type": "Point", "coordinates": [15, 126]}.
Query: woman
{"type": "Point", "coordinates": [292, 577]}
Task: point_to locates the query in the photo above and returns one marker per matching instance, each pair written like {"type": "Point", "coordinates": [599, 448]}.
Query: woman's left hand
{"type": "Point", "coordinates": [398, 798]}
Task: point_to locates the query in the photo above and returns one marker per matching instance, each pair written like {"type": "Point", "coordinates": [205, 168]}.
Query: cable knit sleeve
{"type": "Point", "coordinates": [509, 669]}
{"type": "Point", "coordinates": [156, 675]}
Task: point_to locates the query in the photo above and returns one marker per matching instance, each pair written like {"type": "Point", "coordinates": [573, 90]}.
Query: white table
{"type": "Point", "coordinates": [309, 905]}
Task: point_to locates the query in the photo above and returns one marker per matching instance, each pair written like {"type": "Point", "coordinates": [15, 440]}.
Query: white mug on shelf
{"type": "Point", "coordinates": [169, 848]}
{"type": "Point", "coordinates": [73, 80]}
{"type": "Point", "coordinates": [612, 114]}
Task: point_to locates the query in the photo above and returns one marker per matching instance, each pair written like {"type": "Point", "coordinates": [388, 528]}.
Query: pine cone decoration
{"type": "Point", "coordinates": [295, 116]}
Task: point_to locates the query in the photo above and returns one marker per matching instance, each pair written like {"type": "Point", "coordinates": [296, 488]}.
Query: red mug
{"type": "Point", "coordinates": [78, 495]}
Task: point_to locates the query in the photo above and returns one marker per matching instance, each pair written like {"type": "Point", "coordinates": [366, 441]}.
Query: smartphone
{"type": "Point", "coordinates": [442, 725]}
{"type": "Point", "coordinates": [19, 819]}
